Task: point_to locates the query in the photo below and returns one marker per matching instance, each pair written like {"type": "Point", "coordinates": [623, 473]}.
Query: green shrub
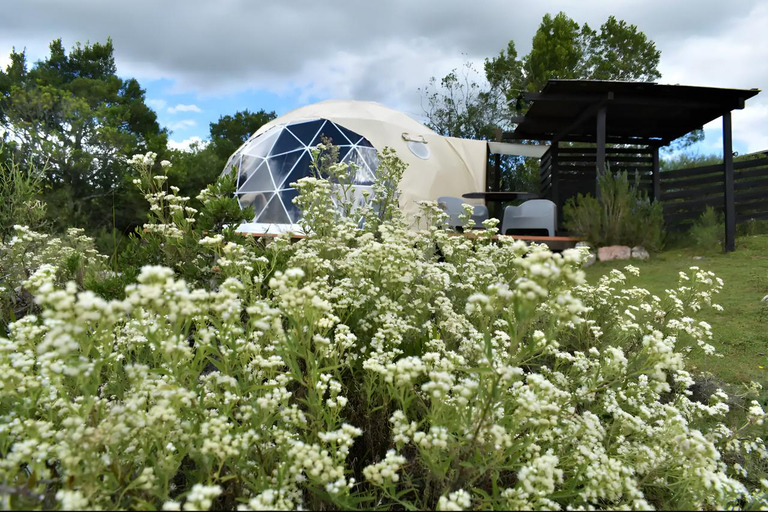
{"type": "Point", "coordinates": [72, 253]}
{"type": "Point", "coordinates": [20, 190]}
{"type": "Point", "coordinates": [364, 369]}
{"type": "Point", "coordinates": [752, 227]}
{"type": "Point", "coordinates": [708, 232]}
{"type": "Point", "coordinates": [623, 216]}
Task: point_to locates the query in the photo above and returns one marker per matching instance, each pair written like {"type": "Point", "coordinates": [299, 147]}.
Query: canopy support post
{"type": "Point", "coordinates": [730, 204]}
{"type": "Point", "coordinates": [600, 155]}
{"type": "Point", "coordinates": [656, 173]}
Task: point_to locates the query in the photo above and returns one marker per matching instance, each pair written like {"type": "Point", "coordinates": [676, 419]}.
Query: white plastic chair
{"type": "Point", "coordinates": [453, 207]}
{"type": "Point", "coordinates": [533, 214]}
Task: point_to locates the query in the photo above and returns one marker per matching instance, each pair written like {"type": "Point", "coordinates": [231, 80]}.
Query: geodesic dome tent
{"type": "Point", "coordinates": [278, 154]}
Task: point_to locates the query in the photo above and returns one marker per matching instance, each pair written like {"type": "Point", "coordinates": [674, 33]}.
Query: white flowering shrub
{"type": "Point", "coordinates": [369, 369]}
{"type": "Point", "coordinates": [26, 250]}
{"type": "Point", "coordinates": [172, 234]}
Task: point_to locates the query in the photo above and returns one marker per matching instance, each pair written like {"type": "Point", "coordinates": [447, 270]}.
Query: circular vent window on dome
{"type": "Point", "coordinates": [417, 145]}
{"type": "Point", "coordinates": [266, 166]}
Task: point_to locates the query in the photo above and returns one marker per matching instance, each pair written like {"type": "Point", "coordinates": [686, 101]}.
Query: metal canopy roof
{"type": "Point", "coordinates": [635, 112]}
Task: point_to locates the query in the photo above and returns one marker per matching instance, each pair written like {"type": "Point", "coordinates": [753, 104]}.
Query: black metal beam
{"type": "Point", "coordinates": [656, 174]}
{"type": "Point", "coordinates": [583, 117]}
{"type": "Point", "coordinates": [602, 114]}
{"type": "Point", "coordinates": [730, 203]}
{"type": "Point", "coordinates": [631, 99]}
{"type": "Point", "coordinates": [676, 103]}
{"type": "Point", "coordinates": [576, 97]}
{"type": "Point", "coordinates": [609, 139]}
{"type": "Point", "coordinates": [555, 173]}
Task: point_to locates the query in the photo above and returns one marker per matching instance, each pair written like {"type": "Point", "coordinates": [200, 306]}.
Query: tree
{"type": "Point", "coordinates": [621, 52]}
{"type": "Point", "coordinates": [563, 49]}
{"type": "Point", "coordinates": [73, 116]}
{"type": "Point", "coordinates": [229, 132]}
{"type": "Point", "coordinates": [462, 105]}
{"type": "Point", "coordinates": [195, 169]}
{"type": "Point", "coordinates": [558, 50]}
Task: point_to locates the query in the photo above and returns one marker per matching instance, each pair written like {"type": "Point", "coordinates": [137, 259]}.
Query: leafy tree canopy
{"type": "Point", "coordinates": [72, 115]}
{"type": "Point", "coordinates": [467, 104]}
{"type": "Point", "coordinates": [229, 132]}
{"type": "Point", "coordinates": [563, 49]}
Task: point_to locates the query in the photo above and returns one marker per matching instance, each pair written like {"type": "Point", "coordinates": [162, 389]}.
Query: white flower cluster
{"type": "Point", "coordinates": [458, 500]}
{"type": "Point", "coordinates": [450, 372]}
{"type": "Point", "coordinates": [385, 471]}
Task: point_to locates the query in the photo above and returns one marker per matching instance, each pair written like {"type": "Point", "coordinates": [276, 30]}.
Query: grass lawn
{"type": "Point", "coordinates": [741, 330]}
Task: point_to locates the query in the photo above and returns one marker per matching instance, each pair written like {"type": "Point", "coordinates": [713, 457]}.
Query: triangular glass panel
{"type": "Point", "coordinates": [281, 165]}
{"type": "Point", "coordinates": [364, 175]}
{"type": "Point", "coordinates": [332, 132]}
{"type": "Point", "coordinates": [349, 134]}
{"type": "Point", "coordinates": [300, 170]}
{"type": "Point", "coordinates": [233, 165]}
{"type": "Point", "coordinates": [343, 150]}
{"type": "Point", "coordinates": [287, 196]}
{"type": "Point", "coordinates": [261, 145]}
{"type": "Point", "coordinates": [274, 213]}
{"type": "Point", "coordinates": [257, 200]}
{"type": "Point", "coordinates": [286, 142]}
{"type": "Point", "coordinates": [364, 142]}
{"type": "Point", "coordinates": [306, 131]}
{"type": "Point", "coordinates": [248, 165]}
{"type": "Point", "coordinates": [259, 181]}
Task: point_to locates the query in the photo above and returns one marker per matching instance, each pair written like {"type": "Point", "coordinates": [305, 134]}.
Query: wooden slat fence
{"type": "Point", "coordinates": [577, 169]}
{"type": "Point", "coordinates": [686, 193]}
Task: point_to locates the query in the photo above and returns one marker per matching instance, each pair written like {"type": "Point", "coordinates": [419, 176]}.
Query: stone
{"type": "Point", "coordinates": [765, 299]}
{"type": "Point", "coordinates": [639, 253]}
{"type": "Point", "coordinates": [614, 252]}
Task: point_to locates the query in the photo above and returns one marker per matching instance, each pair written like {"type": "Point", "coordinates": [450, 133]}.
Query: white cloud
{"type": "Point", "coordinates": [728, 57]}
{"type": "Point", "coordinates": [312, 50]}
{"type": "Point", "coordinates": [180, 125]}
{"type": "Point", "coordinates": [157, 104]}
{"type": "Point", "coordinates": [183, 108]}
{"type": "Point", "coordinates": [186, 144]}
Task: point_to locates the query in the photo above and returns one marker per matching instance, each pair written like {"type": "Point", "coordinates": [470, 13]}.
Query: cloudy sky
{"type": "Point", "coordinates": [200, 60]}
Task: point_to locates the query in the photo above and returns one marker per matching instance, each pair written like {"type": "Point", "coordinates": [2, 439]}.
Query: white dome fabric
{"type": "Point", "coordinates": [437, 165]}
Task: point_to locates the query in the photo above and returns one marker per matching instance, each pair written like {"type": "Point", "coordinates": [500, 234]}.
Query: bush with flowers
{"type": "Point", "coordinates": [368, 366]}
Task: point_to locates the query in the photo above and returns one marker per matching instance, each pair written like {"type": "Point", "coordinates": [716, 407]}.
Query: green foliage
{"type": "Point", "coordinates": [220, 207]}
{"type": "Point", "coordinates": [563, 49]}
{"type": "Point", "coordinates": [623, 216]}
{"type": "Point", "coordinates": [708, 232]}
{"type": "Point", "coordinates": [328, 199]}
{"type": "Point", "coordinates": [73, 254]}
{"type": "Point", "coordinates": [558, 51]}
{"type": "Point", "coordinates": [20, 190]}
{"type": "Point", "coordinates": [230, 132]}
{"type": "Point", "coordinates": [74, 117]}
{"type": "Point", "coordinates": [194, 170]}
{"type": "Point", "coordinates": [461, 105]}
{"type": "Point", "coordinates": [619, 51]}
{"type": "Point", "coordinates": [359, 370]}
{"type": "Point", "coordinates": [687, 159]}
{"type": "Point", "coordinates": [172, 235]}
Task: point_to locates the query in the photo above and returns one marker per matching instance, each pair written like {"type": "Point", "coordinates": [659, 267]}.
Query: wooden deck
{"type": "Point", "coordinates": [555, 243]}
